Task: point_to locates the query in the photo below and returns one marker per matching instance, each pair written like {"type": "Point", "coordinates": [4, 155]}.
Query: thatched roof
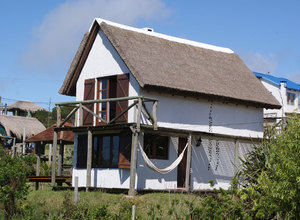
{"type": "Point", "coordinates": [46, 136]}
{"type": "Point", "coordinates": [14, 126]}
{"type": "Point", "coordinates": [26, 106]}
{"type": "Point", "coordinates": [178, 67]}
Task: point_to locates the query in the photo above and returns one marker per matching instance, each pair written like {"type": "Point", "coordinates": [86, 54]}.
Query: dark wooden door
{"type": "Point", "coordinates": [182, 166]}
{"type": "Point", "coordinates": [89, 94]}
{"type": "Point", "coordinates": [122, 91]}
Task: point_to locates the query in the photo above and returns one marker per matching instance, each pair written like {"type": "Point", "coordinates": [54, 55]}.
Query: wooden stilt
{"type": "Point", "coordinates": [53, 166]}
{"type": "Point", "coordinates": [54, 152]}
{"type": "Point", "coordinates": [38, 162]}
{"type": "Point", "coordinates": [60, 158]}
{"type": "Point", "coordinates": [188, 163]}
{"type": "Point", "coordinates": [135, 134]}
{"type": "Point", "coordinates": [89, 160]}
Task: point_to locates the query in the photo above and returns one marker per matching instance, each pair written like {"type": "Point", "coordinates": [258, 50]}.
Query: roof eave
{"type": "Point", "coordinates": [212, 97]}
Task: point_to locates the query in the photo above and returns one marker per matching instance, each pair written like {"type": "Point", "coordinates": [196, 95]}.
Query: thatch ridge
{"type": "Point", "coordinates": [14, 126]}
{"type": "Point", "coordinates": [26, 106]}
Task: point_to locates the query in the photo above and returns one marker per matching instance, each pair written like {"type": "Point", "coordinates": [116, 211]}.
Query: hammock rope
{"type": "Point", "coordinates": [165, 170]}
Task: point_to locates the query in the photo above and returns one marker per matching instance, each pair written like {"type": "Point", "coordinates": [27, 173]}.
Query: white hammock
{"type": "Point", "coordinates": [167, 169]}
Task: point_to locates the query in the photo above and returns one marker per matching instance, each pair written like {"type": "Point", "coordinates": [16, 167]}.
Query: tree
{"type": "Point", "coordinates": [49, 118]}
{"type": "Point", "coordinates": [13, 172]}
{"type": "Point", "coordinates": [271, 175]}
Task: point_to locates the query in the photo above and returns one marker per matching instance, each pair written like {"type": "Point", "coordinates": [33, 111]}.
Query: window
{"type": "Point", "coordinates": [105, 151]}
{"type": "Point", "coordinates": [156, 147]}
{"type": "Point", "coordinates": [81, 151]}
{"type": "Point", "coordinates": [106, 88]}
{"type": "Point", "coordinates": [290, 98]}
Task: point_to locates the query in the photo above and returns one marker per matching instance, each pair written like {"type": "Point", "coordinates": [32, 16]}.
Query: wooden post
{"type": "Point", "coordinates": [236, 148]}
{"type": "Point", "coordinates": [89, 160]}
{"type": "Point", "coordinates": [60, 158]}
{"type": "Point", "coordinates": [24, 138]}
{"type": "Point", "coordinates": [188, 163]}
{"type": "Point", "coordinates": [55, 147]}
{"type": "Point", "coordinates": [154, 113]}
{"type": "Point", "coordinates": [50, 153]}
{"type": "Point", "coordinates": [38, 162]}
{"type": "Point", "coordinates": [80, 123]}
{"type": "Point", "coordinates": [14, 147]}
{"type": "Point", "coordinates": [54, 159]}
{"type": "Point", "coordinates": [135, 134]}
{"type": "Point", "coordinates": [76, 195]}
{"type": "Point", "coordinates": [5, 109]}
{"type": "Point", "coordinates": [133, 212]}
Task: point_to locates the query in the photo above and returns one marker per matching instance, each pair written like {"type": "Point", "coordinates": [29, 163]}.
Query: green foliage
{"type": "Point", "coordinates": [271, 175]}
{"type": "Point", "coordinates": [49, 118]}
{"type": "Point", "coordinates": [13, 172]}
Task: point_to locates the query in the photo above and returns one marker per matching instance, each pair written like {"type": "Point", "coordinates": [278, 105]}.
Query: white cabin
{"type": "Point", "coordinates": [175, 94]}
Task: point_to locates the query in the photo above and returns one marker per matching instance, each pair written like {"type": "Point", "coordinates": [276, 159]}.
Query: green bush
{"type": "Point", "coordinates": [13, 172]}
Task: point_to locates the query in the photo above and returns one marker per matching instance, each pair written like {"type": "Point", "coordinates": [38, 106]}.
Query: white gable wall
{"type": "Point", "coordinates": [103, 60]}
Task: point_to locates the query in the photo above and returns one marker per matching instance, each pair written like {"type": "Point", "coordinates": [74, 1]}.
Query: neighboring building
{"type": "Point", "coordinates": [17, 126]}
{"type": "Point", "coordinates": [287, 94]}
{"type": "Point", "coordinates": [208, 100]}
{"type": "Point", "coordinates": [20, 123]}
{"type": "Point", "coordinates": [24, 108]}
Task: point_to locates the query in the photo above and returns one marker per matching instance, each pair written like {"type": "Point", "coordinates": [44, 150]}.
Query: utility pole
{"type": "Point", "coordinates": [49, 108]}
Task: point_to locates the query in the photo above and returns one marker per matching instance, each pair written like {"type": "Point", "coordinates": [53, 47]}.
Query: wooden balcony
{"type": "Point", "coordinates": [138, 102]}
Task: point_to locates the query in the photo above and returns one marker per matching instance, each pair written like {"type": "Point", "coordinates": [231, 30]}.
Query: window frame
{"type": "Point", "coordinates": [290, 101]}
{"type": "Point", "coordinates": [97, 154]}
{"type": "Point", "coordinates": [154, 138]}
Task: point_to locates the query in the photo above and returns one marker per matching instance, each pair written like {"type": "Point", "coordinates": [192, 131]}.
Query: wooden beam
{"type": "Point", "coordinates": [54, 159]}
{"type": "Point", "coordinates": [89, 160]}
{"type": "Point", "coordinates": [188, 163]}
{"type": "Point", "coordinates": [97, 116]}
{"type": "Point", "coordinates": [138, 119]}
{"type": "Point", "coordinates": [80, 123]}
{"type": "Point", "coordinates": [60, 158]}
{"type": "Point", "coordinates": [123, 112]}
{"type": "Point", "coordinates": [38, 162]}
{"type": "Point", "coordinates": [24, 138]}
{"type": "Point", "coordinates": [147, 113]}
{"type": "Point", "coordinates": [69, 116]}
{"type": "Point", "coordinates": [135, 134]}
{"type": "Point", "coordinates": [107, 100]}
{"type": "Point", "coordinates": [154, 113]}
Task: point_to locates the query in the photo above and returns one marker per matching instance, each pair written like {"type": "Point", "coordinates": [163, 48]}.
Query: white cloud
{"type": "Point", "coordinates": [57, 38]}
{"type": "Point", "coordinates": [259, 63]}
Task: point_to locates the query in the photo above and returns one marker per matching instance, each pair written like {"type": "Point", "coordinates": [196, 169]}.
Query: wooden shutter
{"type": "Point", "coordinates": [81, 151]}
{"type": "Point", "coordinates": [89, 94]}
{"type": "Point", "coordinates": [125, 149]}
{"type": "Point", "coordinates": [122, 91]}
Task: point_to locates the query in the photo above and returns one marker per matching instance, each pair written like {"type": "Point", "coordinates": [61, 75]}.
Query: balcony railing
{"type": "Point", "coordinates": [138, 102]}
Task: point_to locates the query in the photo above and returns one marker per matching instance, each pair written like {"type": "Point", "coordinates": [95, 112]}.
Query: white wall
{"type": "Point", "coordinates": [191, 114]}
{"type": "Point", "coordinates": [212, 160]}
{"type": "Point", "coordinates": [280, 93]}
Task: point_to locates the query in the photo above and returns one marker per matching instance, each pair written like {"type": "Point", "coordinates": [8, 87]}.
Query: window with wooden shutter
{"type": "Point", "coordinates": [125, 149]}
{"type": "Point", "coordinates": [89, 94]}
{"type": "Point", "coordinates": [122, 91]}
{"type": "Point", "coordinates": [81, 151]}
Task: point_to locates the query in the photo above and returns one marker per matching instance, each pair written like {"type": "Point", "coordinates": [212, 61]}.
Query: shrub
{"type": "Point", "coordinates": [13, 172]}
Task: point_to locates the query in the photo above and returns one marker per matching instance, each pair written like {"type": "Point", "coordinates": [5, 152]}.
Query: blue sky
{"type": "Point", "coordinates": [39, 38]}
